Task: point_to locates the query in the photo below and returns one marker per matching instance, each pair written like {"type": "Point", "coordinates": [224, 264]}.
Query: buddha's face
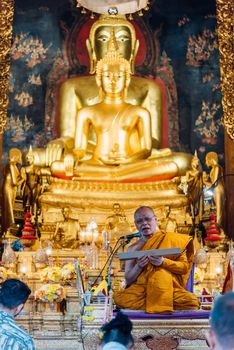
{"type": "Point", "coordinates": [113, 78]}
{"type": "Point", "coordinates": [122, 36]}
{"type": "Point", "coordinates": [66, 212]}
{"type": "Point", "coordinates": [210, 161]}
{"type": "Point", "coordinates": [29, 158]}
{"type": "Point", "coordinates": [15, 157]}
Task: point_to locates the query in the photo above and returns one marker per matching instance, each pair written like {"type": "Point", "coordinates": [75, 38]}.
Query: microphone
{"type": "Point", "coordinates": [132, 235]}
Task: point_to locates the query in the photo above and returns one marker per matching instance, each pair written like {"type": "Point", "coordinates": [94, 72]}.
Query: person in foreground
{"type": "Point", "coordinates": [116, 334]}
{"type": "Point", "coordinates": [157, 284]}
{"type": "Point", "coordinates": [221, 334]}
{"type": "Point", "coordinates": [13, 296]}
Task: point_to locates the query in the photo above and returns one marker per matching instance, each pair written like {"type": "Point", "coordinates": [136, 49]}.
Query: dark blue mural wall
{"type": "Point", "coordinates": [184, 57]}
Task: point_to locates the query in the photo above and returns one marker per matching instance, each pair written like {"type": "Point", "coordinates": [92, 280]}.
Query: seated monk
{"type": "Point", "coordinates": [123, 132]}
{"type": "Point", "coordinates": [82, 91]}
{"type": "Point", "coordinates": [157, 284]}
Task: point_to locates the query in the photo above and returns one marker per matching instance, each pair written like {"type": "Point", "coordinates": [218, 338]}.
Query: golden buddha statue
{"type": "Point", "coordinates": [216, 178]}
{"type": "Point", "coordinates": [195, 187]}
{"type": "Point", "coordinates": [123, 133]}
{"type": "Point", "coordinates": [11, 183]}
{"type": "Point", "coordinates": [32, 186]}
{"type": "Point", "coordinates": [167, 223]}
{"type": "Point", "coordinates": [66, 234]}
{"type": "Point", "coordinates": [82, 91]}
{"type": "Point", "coordinates": [116, 111]}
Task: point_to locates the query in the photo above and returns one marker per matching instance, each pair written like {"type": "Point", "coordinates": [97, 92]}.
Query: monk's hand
{"type": "Point", "coordinates": [142, 261]}
{"type": "Point", "coordinates": [156, 260]}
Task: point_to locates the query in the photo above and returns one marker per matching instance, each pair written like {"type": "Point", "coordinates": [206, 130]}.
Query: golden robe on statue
{"type": "Point", "coordinates": [162, 289]}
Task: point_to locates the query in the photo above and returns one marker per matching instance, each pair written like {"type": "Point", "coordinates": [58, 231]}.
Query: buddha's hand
{"type": "Point", "coordinates": [156, 260]}
{"type": "Point", "coordinates": [206, 179]}
{"type": "Point", "coordinates": [69, 164]}
{"type": "Point", "coordinates": [23, 173]}
{"type": "Point", "coordinates": [54, 151]}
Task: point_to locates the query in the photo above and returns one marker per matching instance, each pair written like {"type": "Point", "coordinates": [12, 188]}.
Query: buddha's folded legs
{"type": "Point", "coordinates": [143, 169]}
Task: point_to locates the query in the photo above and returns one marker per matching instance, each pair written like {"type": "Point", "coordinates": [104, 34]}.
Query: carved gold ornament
{"type": "Point", "coordinates": [120, 7]}
{"type": "Point", "coordinates": [6, 18]}
{"type": "Point", "coordinates": [225, 13]}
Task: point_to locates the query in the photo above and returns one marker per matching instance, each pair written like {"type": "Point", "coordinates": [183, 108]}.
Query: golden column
{"type": "Point", "coordinates": [225, 13]}
{"type": "Point", "coordinates": [6, 19]}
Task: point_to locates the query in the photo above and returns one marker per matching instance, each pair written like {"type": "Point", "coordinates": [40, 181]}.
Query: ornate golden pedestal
{"type": "Point", "coordinates": [96, 199]}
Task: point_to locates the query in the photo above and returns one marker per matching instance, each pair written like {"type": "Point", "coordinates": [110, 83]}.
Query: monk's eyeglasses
{"type": "Point", "coordinates": [147, 219]}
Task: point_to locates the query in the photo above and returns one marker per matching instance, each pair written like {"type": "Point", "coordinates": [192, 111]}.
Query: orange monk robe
{"type": "Point", "coordinates": [162, 289]}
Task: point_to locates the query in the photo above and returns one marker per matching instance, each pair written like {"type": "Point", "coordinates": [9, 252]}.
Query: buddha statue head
{"type": "Point", "coordinates": [66, 213]}
{"type": "Point", "coordinates": [211, 159]}
{"type": "Point", "coordinates": [100, 35]}
{"type": "Point", "coordinates": [29, 156]}
{"type": "Point", "coordinates": [113, 71]}
{"type": "Point", "coordinates": [195, 163]}
{"type": "Point", "coordinates": [15, 155]}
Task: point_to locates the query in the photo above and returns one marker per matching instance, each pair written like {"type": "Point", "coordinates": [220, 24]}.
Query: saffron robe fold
{"type": "Point", "coordinates": [162, 289]}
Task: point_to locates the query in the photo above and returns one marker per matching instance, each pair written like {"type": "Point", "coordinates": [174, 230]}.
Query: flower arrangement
{"type": "Point", "coordinates": [51, 274]}
{"type": "Point", "coordinates": [49, 293]}
{"type": "Point", "coordinates": [68, 272]}
{"type": "Point", "coordinates": [3, 274]}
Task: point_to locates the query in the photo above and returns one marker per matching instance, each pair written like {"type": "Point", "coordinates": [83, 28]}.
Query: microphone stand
{"type": "Point", "coordinates": [106, 262]}
{"type": "Point", "coordinates": [121, 245]}
{"type": "Point", "coordinates": [109, 291]}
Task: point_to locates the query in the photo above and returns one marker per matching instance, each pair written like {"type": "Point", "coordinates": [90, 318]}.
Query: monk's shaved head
{"type": "Point", "coordinates": [142, 208]}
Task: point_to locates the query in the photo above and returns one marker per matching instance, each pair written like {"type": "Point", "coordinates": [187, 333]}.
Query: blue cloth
{"type": "Point", "coordinates": [12, 337]}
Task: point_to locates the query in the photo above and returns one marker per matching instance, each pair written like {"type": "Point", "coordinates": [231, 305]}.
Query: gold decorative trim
{"type": "Point", "coordinates": [57, 184]}
{"type": "Point", "coordinates": [6, 19]}
{"type": "Point", "coordinates": [225, 13]}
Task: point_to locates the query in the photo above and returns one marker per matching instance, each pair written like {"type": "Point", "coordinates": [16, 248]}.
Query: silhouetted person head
{"type": "Point", "coordinates": [13, 295]}
{"type": "Point", "coordinates": [221, 334]}
{"type": "Point", "coordinates": [116, 334]}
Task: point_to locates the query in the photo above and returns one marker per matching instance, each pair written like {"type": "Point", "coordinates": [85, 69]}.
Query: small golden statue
{"type": "Point", "coordinates": [32, 186]}
{"type": "Point", "coordinates": [66, 234]}
{"type": "Point", "coordinates": [216, 178]}
{"type": "Point", "coordinates": [118, 222]}
{"type": "Point", "coordinates": [194, 179]}
{"type": "Point", "coordinates": [167, 223]}
{"type": "Point", "coordinates": [11, 183]}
